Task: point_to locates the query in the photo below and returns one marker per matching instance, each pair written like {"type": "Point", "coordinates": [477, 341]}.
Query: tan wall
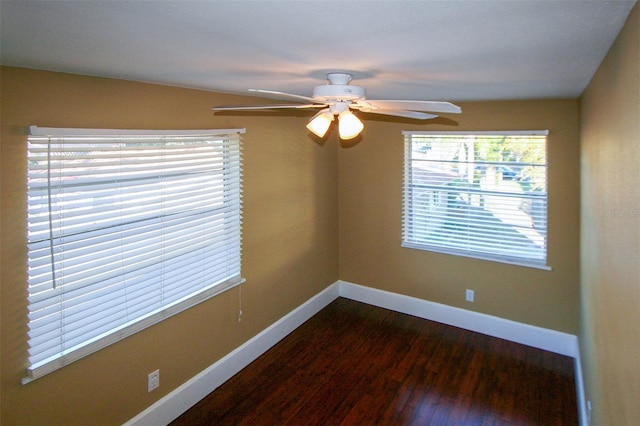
{"type": "Point", "coordinates": [610, 255]}
{"type": "Point", "coordinates": [370, 182]}
{"type": "Point", "coordinates": [290, 243]}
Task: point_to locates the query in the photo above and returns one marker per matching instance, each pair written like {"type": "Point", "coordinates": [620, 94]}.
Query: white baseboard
{"type": "Point", "coordinates": [184, 397]}
{"type": "Point", "coordinates": [542, 338]}
{"type": "Point", "coordinates": [188, 394]}
{"type": "Point", "coordinates": [584, 417]}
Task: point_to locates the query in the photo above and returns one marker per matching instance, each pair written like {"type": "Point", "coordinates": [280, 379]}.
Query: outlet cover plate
{"type": "Point", "coordinates": [470, 296]}
{"type": "Point", "coordinates": [153, 380]}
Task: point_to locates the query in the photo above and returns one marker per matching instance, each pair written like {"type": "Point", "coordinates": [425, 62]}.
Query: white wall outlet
{"type": "Point", "coordinates": [470, 296]}
{"type": "Point", "coordinates": [153, 380]}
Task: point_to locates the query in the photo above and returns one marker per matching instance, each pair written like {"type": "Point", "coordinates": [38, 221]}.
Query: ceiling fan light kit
{"type": "Point", "coordinates": [338, 98]}
{"type": "Point", "coordinates": [349, 126]}
{"type": "Point", "coordinates": [320, 123]}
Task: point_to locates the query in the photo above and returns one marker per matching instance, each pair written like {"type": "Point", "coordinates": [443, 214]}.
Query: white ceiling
{"type": "Point", "coordinates": [430, 50]}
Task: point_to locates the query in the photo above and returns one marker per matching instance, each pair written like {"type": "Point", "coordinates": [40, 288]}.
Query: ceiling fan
{"type": "Point", "coordinates": [338, 98]}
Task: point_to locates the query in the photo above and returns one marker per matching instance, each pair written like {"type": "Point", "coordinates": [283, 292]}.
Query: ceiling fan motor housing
{"type": "Point", "coordinates": [338, 92]}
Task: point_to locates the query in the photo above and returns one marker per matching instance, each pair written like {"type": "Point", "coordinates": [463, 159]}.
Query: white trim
{"type": "Point", "coordinates": [483, 132]}
{"type": "Point", "coordinates": [541, 338]}
{"type": "Point", "coordinates": [188, 394]}
{"type": "Point", "coordinates": [583, 415]}
{"type": "Point", "coordinates": [60, 131]}
{"type": "Point", "coordinates": [481, 256]}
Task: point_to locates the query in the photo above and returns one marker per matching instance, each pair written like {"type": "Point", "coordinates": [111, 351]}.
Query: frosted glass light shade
{"type": "Point", "coordinates": [349, 126]}
{"type": "Point", "coordinates": [319, 124]}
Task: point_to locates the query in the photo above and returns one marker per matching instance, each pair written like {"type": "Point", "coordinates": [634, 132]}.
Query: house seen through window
{"type": "Point", "coordinates": [477, 194]}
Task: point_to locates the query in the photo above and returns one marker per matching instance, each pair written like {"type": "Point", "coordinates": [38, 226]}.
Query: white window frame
{"type": "Point", "coordinates": [425, 227]}
{"type": "Point", "coordinates": [175, 182]}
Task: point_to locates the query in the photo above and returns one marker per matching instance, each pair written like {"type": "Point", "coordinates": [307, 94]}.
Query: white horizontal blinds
{"type": "Point", "coordinates": [124, 230]}
{"type": "Point", "coordinates": [483, 195]}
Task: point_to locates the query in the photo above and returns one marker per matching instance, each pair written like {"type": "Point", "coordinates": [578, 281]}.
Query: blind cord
{"type": "Point", "coordinates": [240, 303]}
{"type": "Point", "coordinates": [49, 198]}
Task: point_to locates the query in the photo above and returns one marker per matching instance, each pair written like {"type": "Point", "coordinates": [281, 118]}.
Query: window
{"type": "Point", "coordinates": [125, 228]}
{"type": "Point", "coordinates": [479, 194]}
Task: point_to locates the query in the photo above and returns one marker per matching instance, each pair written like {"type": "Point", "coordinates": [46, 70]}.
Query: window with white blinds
{"type": "Point", "coordinates": [125, 228]}
{"type": "Point", "coordinates": [481, 194]}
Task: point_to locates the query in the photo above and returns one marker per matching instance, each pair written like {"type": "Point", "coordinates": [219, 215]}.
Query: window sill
{"type": "Point", "coordinates": [480, 256]}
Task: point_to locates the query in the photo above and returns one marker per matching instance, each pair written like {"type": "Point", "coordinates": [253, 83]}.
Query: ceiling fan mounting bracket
{"type": "Point", "coordinates": [339, 78]}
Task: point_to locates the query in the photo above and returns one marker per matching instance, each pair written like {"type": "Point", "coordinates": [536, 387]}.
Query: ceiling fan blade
{"type": "Point", "coordinates": [401, 113]}
{"type": "Point", "coordinates": [277, 95]}
{"type": "Point", "coordinates": [258, 107]}
{"type": "Point", "coordinates": [432, 106]}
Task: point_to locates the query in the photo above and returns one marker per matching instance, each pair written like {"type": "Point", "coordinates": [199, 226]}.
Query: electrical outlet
{"type": "Point", "coordinates": [153, 380]}
{"type": "Point", "coordinates": [470, 295]}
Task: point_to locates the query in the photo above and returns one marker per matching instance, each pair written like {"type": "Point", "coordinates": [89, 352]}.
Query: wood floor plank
{"type": "Point", "coordinates": [355, 364]}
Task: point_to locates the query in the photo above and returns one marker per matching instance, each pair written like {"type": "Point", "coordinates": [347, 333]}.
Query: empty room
{"type": "Point", "coordinates": [284, 212]}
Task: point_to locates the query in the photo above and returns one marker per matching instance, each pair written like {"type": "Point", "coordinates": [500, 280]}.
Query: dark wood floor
{"type": "Point", "coordinates": [355, 364]}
